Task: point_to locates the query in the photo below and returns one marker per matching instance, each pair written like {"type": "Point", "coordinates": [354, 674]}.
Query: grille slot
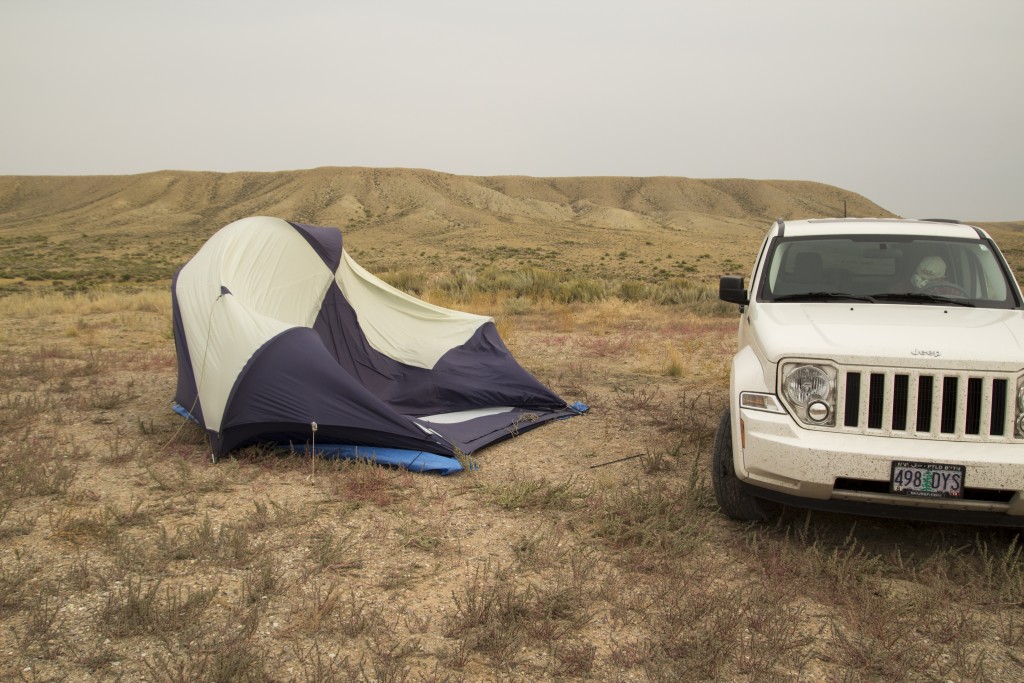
{"type": "Point", "coordinates": [974, 405]}
{"type": "Point", "coordinates": [912, 403]}
{"type": "Point", "coordinates": [852, 399]}
{"type": "Point", "coordinates": [925, 398]}
{"type": "Point", "coordinates": [876, 401]}
{"type": "Point", "coordinates": [949, 404]}
{"type": "Point", "coordinates": [900, 396]}
{"type": "Point", "coordinates": [997, 425]}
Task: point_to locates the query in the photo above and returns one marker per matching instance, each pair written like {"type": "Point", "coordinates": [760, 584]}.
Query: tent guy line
{"type": "Point", "coordinates": [612, 462]}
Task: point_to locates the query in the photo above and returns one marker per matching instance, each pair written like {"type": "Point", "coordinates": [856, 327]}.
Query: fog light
{"type": "Point", "coordinates": [818, 411]}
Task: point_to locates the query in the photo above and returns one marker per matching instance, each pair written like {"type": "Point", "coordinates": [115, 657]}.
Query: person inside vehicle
{"type": "Point", "coordinates": [930, 272]}
{"type": "Point", "coordinates": [930, 278]}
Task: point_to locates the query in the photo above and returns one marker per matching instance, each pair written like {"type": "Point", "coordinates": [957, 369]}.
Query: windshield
{"type": "Point", "coordinates": [887, 269]}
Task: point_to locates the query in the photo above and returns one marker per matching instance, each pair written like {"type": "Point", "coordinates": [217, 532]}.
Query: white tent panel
{"type": "Point", "coordinates": [278, 275]}
{"type": "Point", "coordinates": [236, 333]}
{"type": "Point", "coordinates": [400, 326]}
{"type": "Point", "coordinates": [273, 284]}
{"type": "Point", "coordinates": [464, 415]}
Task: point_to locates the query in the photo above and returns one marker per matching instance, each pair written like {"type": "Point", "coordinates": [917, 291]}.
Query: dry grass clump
{"type": "Point", "coordinates": [519, 290]}
{"type": "Point", "coordinates": [520, 492]}
{"type": "Point", "coordinates": [703, 628]}
{"type": "Point", "coordinates": [38, 304]}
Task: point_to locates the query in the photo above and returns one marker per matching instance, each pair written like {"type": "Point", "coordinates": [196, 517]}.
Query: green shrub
{"type": "Point", "coordinates": [631, 290]}
{"type": "Point", "coordinates": [410, 281]}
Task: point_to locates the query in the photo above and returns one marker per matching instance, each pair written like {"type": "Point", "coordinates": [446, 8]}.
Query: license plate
{"type": "Point", "coordinates": [927, 479]}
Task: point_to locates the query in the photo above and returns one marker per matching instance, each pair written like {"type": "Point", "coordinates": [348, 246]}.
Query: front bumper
{"type": "Point", "coordinates": [780, 461]}
{"type": "Point", "coordinates": [886, 508]}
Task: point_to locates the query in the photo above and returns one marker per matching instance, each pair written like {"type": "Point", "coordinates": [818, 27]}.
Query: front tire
{"type": "Point", "coordinates": [732, 498]}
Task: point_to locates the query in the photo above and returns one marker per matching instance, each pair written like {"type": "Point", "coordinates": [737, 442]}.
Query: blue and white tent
{"type": "Point", "coordinates": [281, 337]}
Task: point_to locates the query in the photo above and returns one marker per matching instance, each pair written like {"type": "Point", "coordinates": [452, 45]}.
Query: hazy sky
{"type": "Point", "coordinates": [916, 104]}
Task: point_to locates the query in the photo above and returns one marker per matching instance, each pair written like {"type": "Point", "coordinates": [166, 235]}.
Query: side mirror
{"type": "Point", "coordinates": [730, 288]}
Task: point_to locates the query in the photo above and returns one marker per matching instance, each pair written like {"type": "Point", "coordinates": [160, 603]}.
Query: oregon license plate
{"type": "Point", "coordinates": [928, 479]}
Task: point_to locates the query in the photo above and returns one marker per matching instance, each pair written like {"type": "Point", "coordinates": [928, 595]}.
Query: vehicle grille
{"type": "Point", "coordinates": [925, 403]}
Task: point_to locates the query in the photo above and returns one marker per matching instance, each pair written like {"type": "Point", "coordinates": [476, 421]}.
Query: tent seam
{"type": "Point", "coordinates": [199, 382]}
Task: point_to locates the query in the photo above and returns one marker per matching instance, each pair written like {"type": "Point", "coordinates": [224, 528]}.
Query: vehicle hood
{"type": "Point", "coordinates": [884, 334]}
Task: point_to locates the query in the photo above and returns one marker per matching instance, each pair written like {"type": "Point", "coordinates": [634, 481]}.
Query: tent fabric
{"type": "Point", "coordinates": [412, 460]}
{"type": "Point", "coordinates": [282, 337]}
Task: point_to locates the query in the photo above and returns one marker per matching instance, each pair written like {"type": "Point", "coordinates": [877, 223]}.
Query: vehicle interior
{"type": "Point", "coordinates": [871, 266]}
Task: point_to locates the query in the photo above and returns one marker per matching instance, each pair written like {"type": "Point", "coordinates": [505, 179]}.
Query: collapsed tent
{"type": "Point", "coordinates": [281, 337]}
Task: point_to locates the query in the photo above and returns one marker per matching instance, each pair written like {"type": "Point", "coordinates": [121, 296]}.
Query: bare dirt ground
{"type": "Point", "coordinates": [589, 549]}
{"type": "Point", "coordinates": [126, 555]}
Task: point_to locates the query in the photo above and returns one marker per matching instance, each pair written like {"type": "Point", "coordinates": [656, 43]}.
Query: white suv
{"type": "Point", "coordinates": [880, 371]}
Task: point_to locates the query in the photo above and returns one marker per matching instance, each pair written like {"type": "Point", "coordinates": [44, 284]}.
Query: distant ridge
{"type": "Point", "coordinates": [143, 227]}
{"type": "Point", "coordinates": [339, 196]}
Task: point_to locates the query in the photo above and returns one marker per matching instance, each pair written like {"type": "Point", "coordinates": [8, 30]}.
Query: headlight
{"type": "Point", "coordinates": [805, 384]}
{"type": "Point", "coordinates": [810, 391]}
{"type": "Point", "coordinates": [1018, 419]}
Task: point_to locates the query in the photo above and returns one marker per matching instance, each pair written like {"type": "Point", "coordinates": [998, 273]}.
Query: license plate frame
{"type": "Point", "coordinates": [927, 479]}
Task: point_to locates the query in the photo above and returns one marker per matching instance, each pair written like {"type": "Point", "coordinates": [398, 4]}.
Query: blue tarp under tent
{"type": "Point", "coordinates": [283, 338]}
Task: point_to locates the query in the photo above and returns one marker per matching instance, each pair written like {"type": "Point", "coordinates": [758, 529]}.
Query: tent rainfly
{"type": "Point", "coordinates": [281, 337]}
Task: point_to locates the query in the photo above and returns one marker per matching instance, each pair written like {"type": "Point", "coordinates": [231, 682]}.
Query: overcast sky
{"type": "Point", "coordinates": [916, 104]}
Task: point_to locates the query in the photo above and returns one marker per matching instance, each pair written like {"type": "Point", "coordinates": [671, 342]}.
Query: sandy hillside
{"type": "Point", "coordinates": [403, 218]}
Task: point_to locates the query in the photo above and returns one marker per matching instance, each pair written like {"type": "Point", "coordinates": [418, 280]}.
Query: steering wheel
{"type": "Point", "coordinates": [945, 288]}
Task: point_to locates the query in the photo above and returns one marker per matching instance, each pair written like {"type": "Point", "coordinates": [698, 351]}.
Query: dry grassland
{"type": "Point", "coordinates": [589, 549]}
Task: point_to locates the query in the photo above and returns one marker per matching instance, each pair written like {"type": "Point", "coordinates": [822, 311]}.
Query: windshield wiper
{"type": "Point", "coordinates": [824, 296]}
{"type": "Point", "coordinates": [919, 297]}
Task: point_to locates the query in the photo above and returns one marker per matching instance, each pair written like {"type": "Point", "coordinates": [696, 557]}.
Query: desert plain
{"type": "Point", "coordinates": [585, 550]}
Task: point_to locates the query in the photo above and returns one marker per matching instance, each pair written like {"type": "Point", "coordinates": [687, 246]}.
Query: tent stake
{"type": "Point", "coordinates": [312, 453]}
